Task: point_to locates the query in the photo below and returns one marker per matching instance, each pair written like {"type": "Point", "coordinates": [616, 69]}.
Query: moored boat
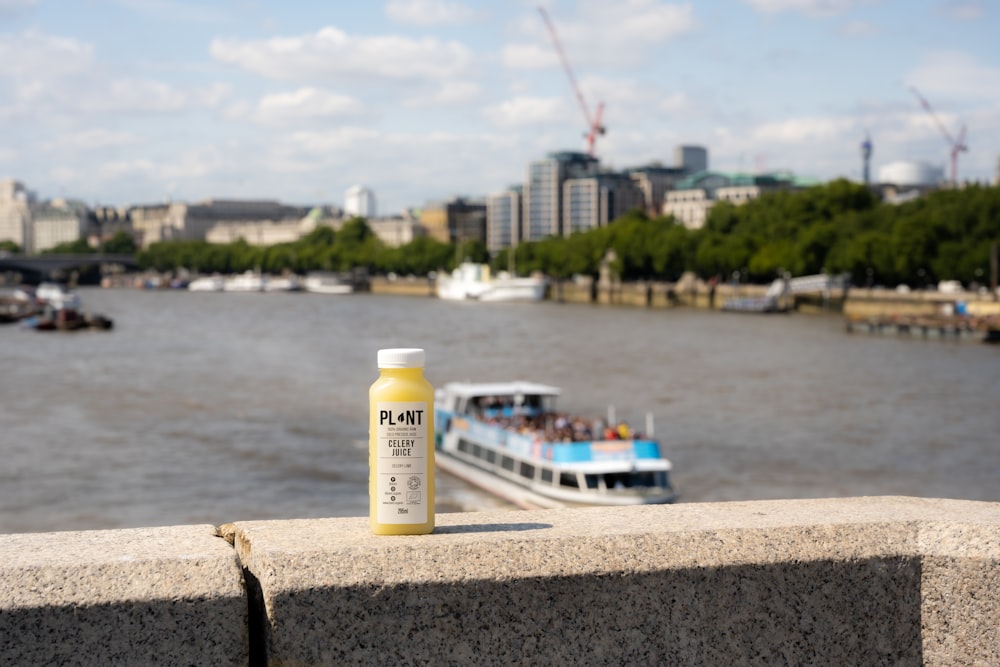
{"type": "Point", "coordinates": [248, 281]}
{"type": "Point", "coordinates": [57, 296]}
{"type": "Point", "coordinates": [474, 282]}
{"type": "Point", "coordinates": [326, 283]}
{"type": "Point", "coordinates": [508, 439]}
{"type": "Point", "coordinates": [214, 283]}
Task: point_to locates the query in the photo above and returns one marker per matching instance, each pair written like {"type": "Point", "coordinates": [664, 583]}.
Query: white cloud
{"type": "Point", "coordinates": [171, 10]}
{"type": "Point", "coordinates": [86, 140]}
{"type": "Point", "coordinates": [35, 56]}
{"type": "Point", "coordinates": [61, 76]}
{"type": "Point", "coordinates": [957, 74]}
{"type": "Point", "coordinates": [429, 12]}
{"type": "Point", "coordinates": [808, 7]}
{"type": "Point", "coordinates": [529, 56]}
{"type": "Point", "coordinates": [527, 111]}
{"type": "Point", "coordinates": [606, 33]}
{"type": "Point", "coordinates": [303, 104]}
{"type": "Point", "coordinates": [675, 103]}
{"type": "Point", "coordinates": [449, 93]}
{"type": "Point", "coordinates": [331, 54]}
{"type": "Point", "coordinates": [968, 10]}
{"type": "Point", "coordinates": [802, 130]}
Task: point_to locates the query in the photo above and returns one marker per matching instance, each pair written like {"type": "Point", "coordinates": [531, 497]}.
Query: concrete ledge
{"type": "Point", "coordinates": [122, 597]}
{"type": "Point", "coordinates": [901, 581]}
{"type": "Point", "coordinates": [852, 581]}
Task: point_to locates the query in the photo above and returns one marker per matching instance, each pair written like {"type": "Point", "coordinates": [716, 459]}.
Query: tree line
{"type": "Point", "coordinates": [839, 227]}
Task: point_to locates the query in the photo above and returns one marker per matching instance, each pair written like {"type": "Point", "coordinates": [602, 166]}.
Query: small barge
{"type": "Point", "coordinates": [954, 327]}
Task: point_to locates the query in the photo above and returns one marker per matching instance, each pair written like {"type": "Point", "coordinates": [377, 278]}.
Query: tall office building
{"type": "Point", "coordinates": [692, 159]}
{"type": "Point", "coordinates": [503, 220]}
{"type": "Point", "coordinates": [595, 201]}
{"type": "Point", "coordinates": [543, 215]}
{"type": "Point", "coordinates": [359, 201]}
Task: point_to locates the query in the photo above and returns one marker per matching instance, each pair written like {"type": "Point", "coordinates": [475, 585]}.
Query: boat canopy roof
{"type": "Point", "coordinates": [473, 389]}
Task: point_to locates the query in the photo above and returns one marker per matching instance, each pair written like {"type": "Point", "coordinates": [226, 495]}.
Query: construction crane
{"type": "Point", "coordinates": [957, 145]}
{"type": "Point", "coordinates": [594, 126]}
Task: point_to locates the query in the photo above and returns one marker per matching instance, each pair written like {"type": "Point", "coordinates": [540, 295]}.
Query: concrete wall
{"type": "Point", "coordinates": [901, 581]}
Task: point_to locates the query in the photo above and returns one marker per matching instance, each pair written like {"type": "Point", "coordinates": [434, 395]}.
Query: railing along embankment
{"type": "Point", "coordinates": [845, 581]}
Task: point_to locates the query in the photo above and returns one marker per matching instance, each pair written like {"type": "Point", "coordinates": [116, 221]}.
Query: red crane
{"type": "Point", "coordinates": [957, 145]}
{"type": "Point", "coordinates": [594, 127]}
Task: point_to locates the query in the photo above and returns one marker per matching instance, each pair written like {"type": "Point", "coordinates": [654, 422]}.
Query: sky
{"type": "Point", "coordinates": [120, 102]}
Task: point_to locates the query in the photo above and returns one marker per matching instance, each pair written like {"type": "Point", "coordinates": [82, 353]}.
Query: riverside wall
{"type": "Point", "coordinates": [879, 580]}
{"type": "Point", "coordinates": [857, 302]}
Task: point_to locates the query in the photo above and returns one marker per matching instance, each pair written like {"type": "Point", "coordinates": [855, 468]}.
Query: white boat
{"type": "Point", "coordinates": [245, 282]}
{"type": "Point", "coordinates": [326, 283]}
{"type": "Point", "coordinates": [282, 284]}
{"type": "Point", "coordinates": [57, 297]}
{"type": "Point", "coordinates": [472, 281]}
{"type": "Point", "coordinates": [508, 439]}
{"type": "Point", "coordinates": [207, 284]}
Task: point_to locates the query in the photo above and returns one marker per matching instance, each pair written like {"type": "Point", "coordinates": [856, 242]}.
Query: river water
{"type": "Point", "coordinates": [218, 407]}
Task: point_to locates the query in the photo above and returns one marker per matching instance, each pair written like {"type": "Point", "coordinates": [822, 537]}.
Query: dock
{"type": "Point", "coordinates": [942, 327]}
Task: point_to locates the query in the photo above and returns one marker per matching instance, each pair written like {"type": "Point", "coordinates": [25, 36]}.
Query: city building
{"type": "Point", "coordinates": [397, 230]}
{"type": "Point", "coordinates": [359, 201]}
{"type": "Point", "coordinates": [543, 192]}
{"type": "Point", "coordinates": [265, 232]}
{"type": "Point", "coordinates": [192, 222]}
{"type": "Point", "coordinates": [654, 181]}
{"type": "Point", "coordinates": [693, 197]}
{"type": "Point", "coordinates": [905, 180]}
{"type": "Point", "coordinates": [503, 219]}
{"type": "Point", "coordinates": [456, 220]}
{"type": "Point", "coordinates": [691, 159]}
{"type": "Point", "coordinates": [57, 222]}
{"type": "Point", "coordinates": [595, 201]}
{"type": "Point", "coordinates": [15, 213]}
{"type": "Point", "coordinates": [911, 174]}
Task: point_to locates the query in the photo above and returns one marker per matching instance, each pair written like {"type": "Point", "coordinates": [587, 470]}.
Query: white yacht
{"type": "Point", "coordinates": [471, 281]}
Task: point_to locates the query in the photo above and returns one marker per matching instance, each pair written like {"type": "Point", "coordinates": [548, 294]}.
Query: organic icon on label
{"type": "Point", "coordinates": [413, 482]}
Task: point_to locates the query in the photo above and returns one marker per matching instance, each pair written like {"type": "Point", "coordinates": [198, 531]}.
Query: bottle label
{"type": "Point", "coordinates": [401, 487]}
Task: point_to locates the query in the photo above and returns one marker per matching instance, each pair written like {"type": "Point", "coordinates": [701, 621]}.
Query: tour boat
{"type": "Point", "coordinates": [471, 281]}
{"type": "Point", "coordinates": [508, 439]}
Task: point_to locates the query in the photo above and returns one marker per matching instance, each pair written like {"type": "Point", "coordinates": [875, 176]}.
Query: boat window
{"type": "Point", "coordinates": [547, 475]}
{"type": "Point", "coordinates": [491, 456]}
{"type": "Point", "coordinates": [619, 480]}
{"type": "Point", "coordinates": [650, 479]}
{"type": "Point", "coordinates": [591, 480]}
{"type": "Point", "coordinates": [463, 445]}
{"type": "Point", "coordinates": [477, 451]}
{"type": "Point", "coordinates": [568, 479]}
{"type": "Point", "coordinates": [527, 470]}
{"type": "Point", "coordinates": [507, 463]}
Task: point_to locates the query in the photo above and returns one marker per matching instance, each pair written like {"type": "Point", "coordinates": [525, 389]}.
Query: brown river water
{"type": "Point", "coordinates": [218, 407]}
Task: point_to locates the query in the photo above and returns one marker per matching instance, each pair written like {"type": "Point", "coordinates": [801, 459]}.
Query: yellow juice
{"type": "Point", "coordinates": [401, 445]}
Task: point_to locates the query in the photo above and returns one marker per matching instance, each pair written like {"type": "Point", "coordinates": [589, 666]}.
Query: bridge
{"type": "Point", "coordinates": [45, 266]}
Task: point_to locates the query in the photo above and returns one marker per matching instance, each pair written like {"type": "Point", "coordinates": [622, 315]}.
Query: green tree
{"type": "Point", "coordinates": [121, 243]}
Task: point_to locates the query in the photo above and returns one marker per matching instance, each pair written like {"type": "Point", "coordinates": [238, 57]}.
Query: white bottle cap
{"type": "Point", "coordinates": [401, 357]}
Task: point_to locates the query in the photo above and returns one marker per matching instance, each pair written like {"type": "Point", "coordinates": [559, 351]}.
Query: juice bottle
{"type": "Point", "coordinates": [401, 445]}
